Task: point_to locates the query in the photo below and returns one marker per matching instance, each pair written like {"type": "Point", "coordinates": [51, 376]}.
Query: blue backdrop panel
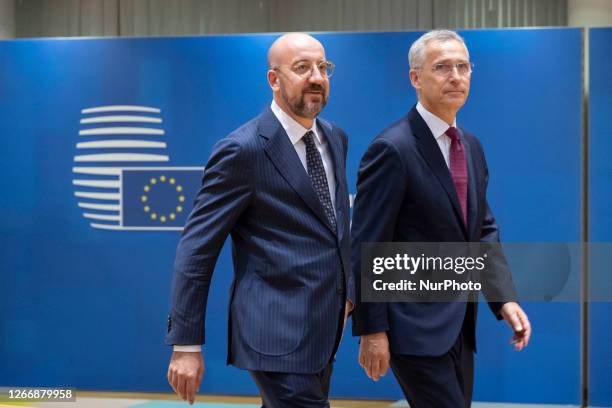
{"type": "Point", "coordinates": [86, 307]}
{"type": "Point", "coordinates": [600, 168]}
{"type": "Point", "coordinates": [530, 127]}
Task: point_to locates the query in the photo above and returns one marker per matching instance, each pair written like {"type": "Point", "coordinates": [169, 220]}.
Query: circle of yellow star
{"type": "Point", "coordinates": [145, 198]}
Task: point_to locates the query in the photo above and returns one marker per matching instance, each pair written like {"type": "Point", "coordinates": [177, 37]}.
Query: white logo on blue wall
{"type": "Point", "coordinates": [119, 182]}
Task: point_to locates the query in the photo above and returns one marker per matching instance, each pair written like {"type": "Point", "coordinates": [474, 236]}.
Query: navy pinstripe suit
{"type": "Point", "coordinates": [291, 269]}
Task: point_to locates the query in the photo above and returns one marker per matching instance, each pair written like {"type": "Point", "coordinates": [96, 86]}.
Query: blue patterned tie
{"type": "Point", "coordinates": [316, 171]}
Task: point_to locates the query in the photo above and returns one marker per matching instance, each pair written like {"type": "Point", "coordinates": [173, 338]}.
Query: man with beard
{"type": "Point", "coordinates": [423, 179]}
{"type": "Point", "coordinates": [277, 185]}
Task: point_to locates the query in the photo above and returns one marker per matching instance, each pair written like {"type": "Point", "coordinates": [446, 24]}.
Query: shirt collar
{"type": "Point", "coordinates": [294, 130]}
{"type": "Point", "coordinates": [437, 126]}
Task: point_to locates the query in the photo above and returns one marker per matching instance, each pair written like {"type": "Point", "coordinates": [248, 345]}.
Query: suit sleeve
{"type": "Point", "coordinates": [499, 284]}
{"type": "Point", "coordinates": [380, 192]}
{"type": "Point", "coordinates": [224, 195]}
{"type": "Point", "coordinates": [350, 281]}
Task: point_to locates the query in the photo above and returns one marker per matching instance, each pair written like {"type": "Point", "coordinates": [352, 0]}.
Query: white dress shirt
{"type": "Point", "coordinates": [295, 131]}
{"type": "Point", "coordinates": [438, 128]}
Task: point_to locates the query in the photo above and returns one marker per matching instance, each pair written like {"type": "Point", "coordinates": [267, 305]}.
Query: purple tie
{"type": "Point", "coordinates": [458, 169]}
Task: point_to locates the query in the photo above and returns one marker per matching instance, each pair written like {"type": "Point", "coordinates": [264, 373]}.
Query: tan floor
{"type": "Point", "coordinates": [227, 399]}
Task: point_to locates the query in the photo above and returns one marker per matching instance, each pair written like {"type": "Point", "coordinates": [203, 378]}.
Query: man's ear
{"type": "Point", "coordinates": [273, 80]}
{"type": "Point", "coordinates": [415, 79]}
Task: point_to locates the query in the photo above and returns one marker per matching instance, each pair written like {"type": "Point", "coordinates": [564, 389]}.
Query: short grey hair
{"type": "Point", "coordinates": [416, 55]}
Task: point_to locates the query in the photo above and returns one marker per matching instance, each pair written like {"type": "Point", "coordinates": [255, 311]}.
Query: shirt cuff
{"type": "Point", "coordinates": [189, 349]}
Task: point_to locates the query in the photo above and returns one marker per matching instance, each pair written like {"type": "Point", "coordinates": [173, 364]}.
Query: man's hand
{"type": "Point", "coordinates": [519, 323]}
{"type": "Point", "coordinates": [374, 355]}
{"type": "Point", "coordinates": [185, 374]}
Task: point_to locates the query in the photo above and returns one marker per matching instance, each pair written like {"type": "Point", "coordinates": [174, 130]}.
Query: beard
{"type": "Point", "coordinates": [302, 108]}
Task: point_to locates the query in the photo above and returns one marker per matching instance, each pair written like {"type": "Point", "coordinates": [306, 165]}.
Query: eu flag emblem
{"type": "Point", "coordinates": [158, 198]}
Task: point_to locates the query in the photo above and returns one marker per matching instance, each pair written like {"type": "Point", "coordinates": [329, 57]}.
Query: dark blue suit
{"type": "Point", "coordinates": [291, 268]}
{"type": "Point", "coordinates": [405, 193]}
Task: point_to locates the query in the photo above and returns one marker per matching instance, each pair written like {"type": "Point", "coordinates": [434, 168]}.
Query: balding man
{"type": "Point", "coordinates": [277, 185]}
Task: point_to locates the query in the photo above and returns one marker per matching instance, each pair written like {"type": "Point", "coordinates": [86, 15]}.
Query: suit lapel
{"type": "Point", "coordinates": [335, 147]}
{"type": "Point", "coordinates": [284, 157]}
{"type": "Point", "coordinates": [472, 182]}
{"type": "Point", "coordinates": [428, 146]}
